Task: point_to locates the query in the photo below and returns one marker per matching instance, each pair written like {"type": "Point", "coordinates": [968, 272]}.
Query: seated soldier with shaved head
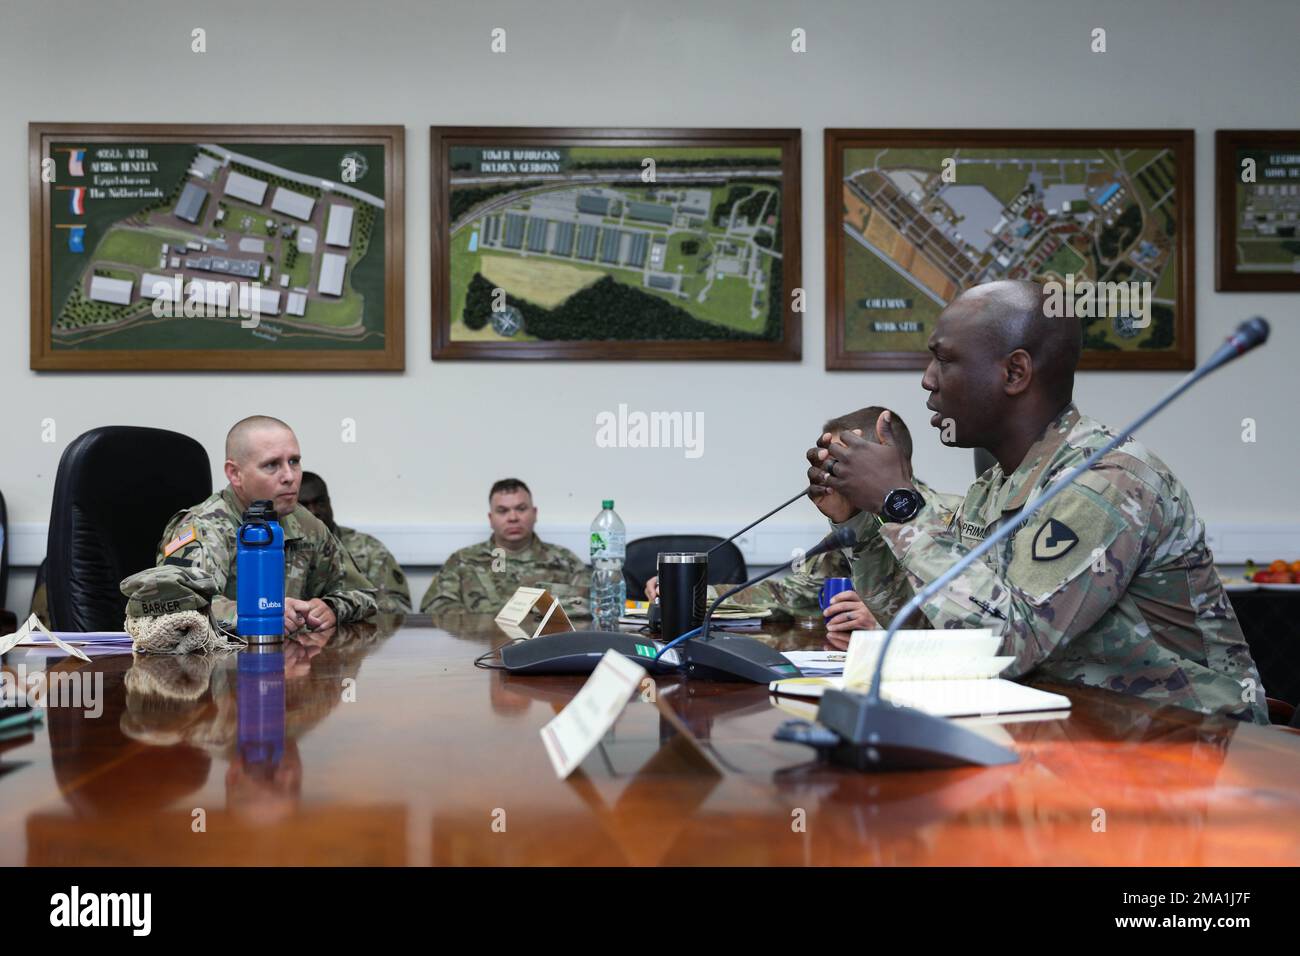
{"type": "Point", "coordinates": [1111, 585]}
{"type": "Point", "coordinates": [322, 585]}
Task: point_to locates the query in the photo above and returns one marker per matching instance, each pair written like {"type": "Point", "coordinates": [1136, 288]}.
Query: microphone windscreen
{"type": "Point", "coordinates": [839, 538]}
{"type": "Point", "coordinates": [1251, 333]}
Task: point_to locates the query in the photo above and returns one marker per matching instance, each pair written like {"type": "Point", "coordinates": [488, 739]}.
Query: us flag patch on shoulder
{"type": "Point", "coordinates": [180, 541]}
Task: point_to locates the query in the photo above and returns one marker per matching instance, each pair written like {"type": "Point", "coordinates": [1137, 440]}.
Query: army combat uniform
{"type": "Point", "coordinates": [380, 568]}
{"type": "Point", "coordinates": [877, 576]}
{"type": "Point", "coordinates": [482, 577]}
{"type": "Point", "coordinates": [315, 564]}
{"type": "Point", "coordinates": [798, 594]}
{"type": "Point", "coordinates": [1110, 586]}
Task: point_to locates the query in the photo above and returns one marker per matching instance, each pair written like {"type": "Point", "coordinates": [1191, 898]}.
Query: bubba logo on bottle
{"type": "Point", "coordinates": [266, 604]}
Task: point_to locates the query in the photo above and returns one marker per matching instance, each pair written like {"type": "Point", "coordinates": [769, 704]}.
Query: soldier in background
{"type": "Point", "coordinates": [1111, 585]}
{"type": "Point", "coordinates": [482, 577]}
{"type": "Point", "coordinates": [322, 585]}
{"type": "Point", "coordinates": [376, 562]}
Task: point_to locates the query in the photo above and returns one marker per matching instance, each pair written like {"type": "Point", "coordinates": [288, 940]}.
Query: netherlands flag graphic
{"type": "Point", "coordinates": [77, 201]}
{"type": "Point", "coordinates": [75, 158]}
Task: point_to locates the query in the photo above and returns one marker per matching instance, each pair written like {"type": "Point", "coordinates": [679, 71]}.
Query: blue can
{"type": "Point", "coordinates": [832, 587]}
{"type": "Point", "coordinates": [259, 575]}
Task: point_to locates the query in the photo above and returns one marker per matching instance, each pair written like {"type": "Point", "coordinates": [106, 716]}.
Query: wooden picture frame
{"type": "Point", "coordinates": [1268, 209]}
{"type": "Point", "coordinates": [109, 257]}
{"type": "Point", "coordinates": [573, 235]}
{"type": "Point", "coordinates": [904, 262]}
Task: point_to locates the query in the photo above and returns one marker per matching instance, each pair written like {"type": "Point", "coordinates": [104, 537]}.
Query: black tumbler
{"type": "Point", "coordinates": [683, 586]}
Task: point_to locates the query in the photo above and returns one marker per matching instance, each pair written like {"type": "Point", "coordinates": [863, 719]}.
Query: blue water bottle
{"type": "Point", "coordinates": [259, 575]}
{"type": "Point", "coordinates": [261, 709]}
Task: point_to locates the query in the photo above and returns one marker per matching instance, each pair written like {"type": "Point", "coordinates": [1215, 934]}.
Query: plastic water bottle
{"type": "Point", "coordinates": [259, 575]}
{"type": "Point", "coordinates": [608, 549]}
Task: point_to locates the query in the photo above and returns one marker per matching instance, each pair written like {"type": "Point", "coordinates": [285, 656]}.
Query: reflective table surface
{"type": "Point", "coordinates": [386, 745]}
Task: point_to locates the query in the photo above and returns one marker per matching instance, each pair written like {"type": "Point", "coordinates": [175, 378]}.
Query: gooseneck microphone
{"type": "Point", "coordinates": [841, 538]}
{"type": "Point", "coordinates": [578, 652]}
{"type": "Point", "coordinates": [780, 507]}
{"type": "Point", "coordinates": [736, 657]}
{"type": "Point", "coordinates": [868, 733]}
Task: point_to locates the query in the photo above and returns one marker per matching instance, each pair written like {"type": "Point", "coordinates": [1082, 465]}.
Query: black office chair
{"type": "Point", "coordinates": [115, 489]}
{"type": "Point", "coordinates": [726, 565]}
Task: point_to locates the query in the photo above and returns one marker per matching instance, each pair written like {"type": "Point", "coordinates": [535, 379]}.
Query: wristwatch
{"type": "Point", "coordinates": [901, 504]}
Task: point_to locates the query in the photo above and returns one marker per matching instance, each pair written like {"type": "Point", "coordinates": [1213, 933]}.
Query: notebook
{"type": "Point", "coordinates": [947, 673]}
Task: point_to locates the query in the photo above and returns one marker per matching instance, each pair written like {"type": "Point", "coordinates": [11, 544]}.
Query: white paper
{"type": "Point", "coordinates": [918, 655]}
{"type": "Point", "coordinates": [814, 663]}
{"type": "Point", "coordinates": [25, 634]}
{"type": "Point", "coordinates": [575, 731]}
{"type": "Point", "coordinates": [80, 638]}
{"type": "Point", "coordinates": [943, 698]}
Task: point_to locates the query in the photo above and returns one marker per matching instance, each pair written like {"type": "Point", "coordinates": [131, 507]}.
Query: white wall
{"type": "Point", "coordinates": [431, 439]}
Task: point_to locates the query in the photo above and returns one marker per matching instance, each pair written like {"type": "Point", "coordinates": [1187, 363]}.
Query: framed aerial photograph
{"type": "Point", "coordinates": [554, 243]}
{"type": "Point", "coordinates": [231, 248]}
{"type": "Point", "coordinates": [1103, 218]}
{"type": "Point", "coordinates": [1258, 203]}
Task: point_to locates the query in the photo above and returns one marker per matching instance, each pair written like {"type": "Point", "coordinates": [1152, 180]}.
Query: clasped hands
{"type": "Point", "coordinates": [847, 473]}
{"type": "Point", "coordinates": [315, 614]}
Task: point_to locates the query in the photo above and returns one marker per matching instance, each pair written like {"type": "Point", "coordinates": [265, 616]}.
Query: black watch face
{"type": "Point", "coordinates": [901, 504]}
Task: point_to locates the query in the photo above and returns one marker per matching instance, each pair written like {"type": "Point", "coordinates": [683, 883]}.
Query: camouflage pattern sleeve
{"type": "Point", "coordinates": [798, 593]}
{"type": "Point", "coordinates": [878, 578]}
{"type": "Point", "coordinates": [345, 589]}
{"type": "Point", "coordinates": [191, 541]}
{"type": "Point", "coordinates": [1059, 574]}
{"type": "Point", "coordinates": [573, 587]}
{"type": "Point", "coordinates": [380, 568]}
{"type": "Point", "coordinates": [445, 591]}
{"type": "Point", "coordinates": [394, 594]}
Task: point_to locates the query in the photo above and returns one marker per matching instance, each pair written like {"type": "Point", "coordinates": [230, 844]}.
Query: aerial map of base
{"type": "Point", "coordinates": [921, 225]}
{"type": "Point", "coordinates": [593, 243]}
{"type": "Point", "coordinates": [201, 247]}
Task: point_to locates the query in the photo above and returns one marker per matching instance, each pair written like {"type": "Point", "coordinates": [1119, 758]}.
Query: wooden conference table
{"type": "Point", "coordinates": [389, 747]}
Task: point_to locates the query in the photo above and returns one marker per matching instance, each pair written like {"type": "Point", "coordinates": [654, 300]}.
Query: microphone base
{"type": "Point", "coordinates": [578, 652]}
{"type": "Point", "coordinates": [735, 657]}
{"type": "Point", "coordinates": [868, 737]}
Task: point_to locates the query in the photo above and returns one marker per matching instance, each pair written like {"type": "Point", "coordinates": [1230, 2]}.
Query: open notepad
{"type": "Point", "coordinates": [946, 673]}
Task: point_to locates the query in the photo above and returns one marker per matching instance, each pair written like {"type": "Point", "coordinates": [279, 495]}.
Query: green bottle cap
{"type": "Point", "coordinates": [608, 503]}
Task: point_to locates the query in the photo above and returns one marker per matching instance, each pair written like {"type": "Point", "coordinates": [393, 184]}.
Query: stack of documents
{"type": "Point", "coordinates": [817, 663]}
{"type": "Point", "coordinates": [728, 615]}
{"type": "Point", "coordinates": [34, 634]}
{"type": "Point", "coordinates": [947, 673]}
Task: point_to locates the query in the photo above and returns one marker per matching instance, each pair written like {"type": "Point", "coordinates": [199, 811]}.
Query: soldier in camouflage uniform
{"type": "Point", "coordinates": [1111, 585]}
{"type": "Point", "coordinates": [376, 562]}
{"type": "Point", "coordinates": [482, 577]}
{"type": "Point", "coordinates": [798, 593]}
{"type": "Point", "coordinates": [322, 584]}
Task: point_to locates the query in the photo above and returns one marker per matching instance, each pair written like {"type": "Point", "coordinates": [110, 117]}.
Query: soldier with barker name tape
{"type": "Point", "coordinates": [1110, 586]}
{"type": "Point", "coordinates": [322, 585]}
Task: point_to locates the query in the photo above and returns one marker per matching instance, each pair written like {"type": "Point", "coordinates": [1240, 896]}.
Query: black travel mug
{"type": "Point", "coordinates": [683, 585]}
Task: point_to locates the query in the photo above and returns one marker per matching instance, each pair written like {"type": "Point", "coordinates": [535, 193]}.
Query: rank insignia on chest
{"type": "Point", "coordinates": [1053, 540]}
